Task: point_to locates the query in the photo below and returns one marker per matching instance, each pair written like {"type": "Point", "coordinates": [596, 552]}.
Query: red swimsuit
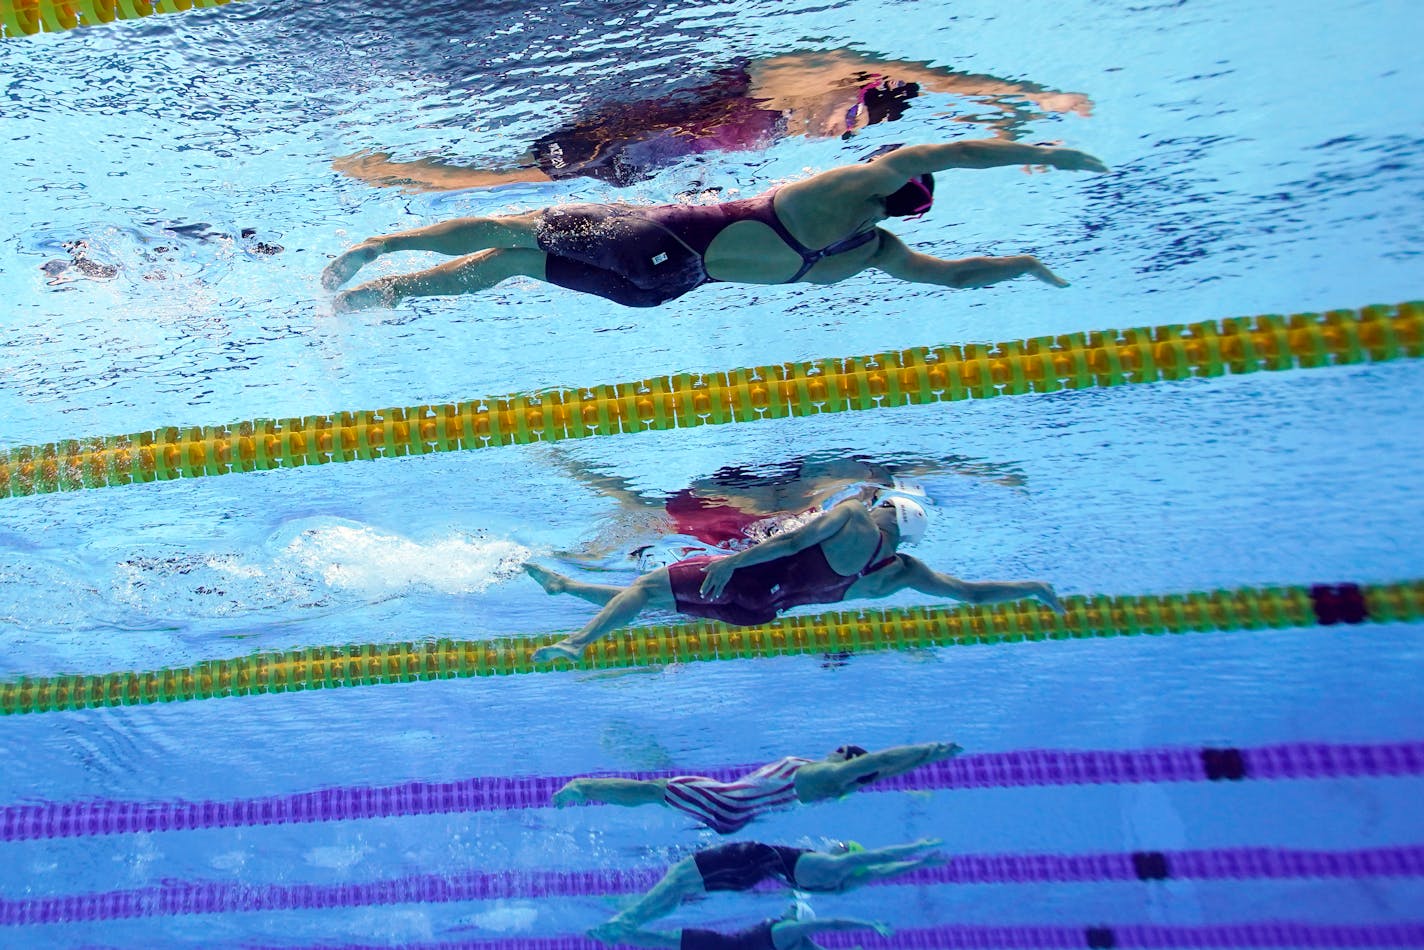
{"type": "Point", "coordinates": [757, 593]}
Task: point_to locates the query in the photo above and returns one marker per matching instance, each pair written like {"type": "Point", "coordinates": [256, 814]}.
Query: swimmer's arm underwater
{"type": "Point", "coordinates": [913, 160]}
{"type": "Point", "coordinates": [897, 260]}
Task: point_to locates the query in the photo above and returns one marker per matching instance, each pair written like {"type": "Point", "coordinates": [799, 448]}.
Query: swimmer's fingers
{"type": "Point", "coordinates": [715, 577]}
{"type": "Point", "coordinates": [1070, 159]}
{"type": "Point", "coordinates": [946, 750]}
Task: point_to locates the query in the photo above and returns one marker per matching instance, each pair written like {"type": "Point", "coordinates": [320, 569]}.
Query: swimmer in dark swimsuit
{"type": "Point", "coordinates": [821, 230]}
{"type": "Point", "coordinates": [784, 934]}
{"type": "Point", "coordinates": [848, 553]}
{"type": "Point", "coordinates": [741, 865]}
{"type": "Point", "coordinates": [746, 107]}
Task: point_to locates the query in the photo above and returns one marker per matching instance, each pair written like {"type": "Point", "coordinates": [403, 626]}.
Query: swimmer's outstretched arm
{"type": "Point", "coordinates": [914, 574]}
{"type": "Point", "coordinates": [819, 871]}
{"type": "Point", "coordinates": [821, 780]}
{"type": "Point", "coordinates": [897, 260]}
{"type": "Point", "coordinates": [913, 160]}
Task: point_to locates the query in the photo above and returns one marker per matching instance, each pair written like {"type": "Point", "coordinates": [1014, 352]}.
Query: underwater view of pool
{"type": "Point", "coordinates": [267, 629]}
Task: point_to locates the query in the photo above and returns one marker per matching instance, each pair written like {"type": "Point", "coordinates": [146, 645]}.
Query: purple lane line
{"type": "Point", "coordinates": [989, 770]}
{"type": "Point", "coordinates": [213, 897]}
{"type": "Point", "coordinates": [1271, 933]}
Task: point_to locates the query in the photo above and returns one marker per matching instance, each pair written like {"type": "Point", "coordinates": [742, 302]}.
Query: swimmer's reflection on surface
{"type": "Point", "coordinates": [786, 933]}
{"type": "Point", "coordinates": [737, 506]}
{"type": "Point", "coordinates": [746, 107]}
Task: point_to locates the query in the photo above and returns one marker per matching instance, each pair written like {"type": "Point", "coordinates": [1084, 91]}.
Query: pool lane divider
{"type": "Point", "coordinates": [1232, 936]}
{"type": "Point", "coordinates": [859, 631]}
{"type": "Point", "coordinates": [1030, 768]}
{"type": "Point", "coordinates": [915, 376]}
{"type": "Point", "coordinates": [181, 898]}
{"type": "Point", "coordinates": [28, 17]}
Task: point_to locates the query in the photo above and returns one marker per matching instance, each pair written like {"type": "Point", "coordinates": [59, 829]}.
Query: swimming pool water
{"type": "Point", "coordinates": [1264, 160]}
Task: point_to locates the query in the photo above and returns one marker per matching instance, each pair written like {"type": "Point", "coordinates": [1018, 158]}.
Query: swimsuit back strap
{"type": "Point", "coordinates": [872, 565]}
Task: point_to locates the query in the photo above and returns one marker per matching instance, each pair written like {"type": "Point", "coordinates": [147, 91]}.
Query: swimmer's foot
{"type": "Point", "coordinates": [551, 582]}
{"type": "Point", "coordinates": [556, 650]}
{"type": "Point", "coordinates": [570, 794]}
{"type": "Point", "coordinates": [367, 296]}
{"type": "Point", "coordinates": [348, 263]}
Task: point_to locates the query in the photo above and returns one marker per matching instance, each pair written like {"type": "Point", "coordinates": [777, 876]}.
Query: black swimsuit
{"type": "Point", "coordinates": [742, 865]}
{"type": "Point", "coordinates": [755, 938]}
{"type": "Point", "coordinates": [645, 256]}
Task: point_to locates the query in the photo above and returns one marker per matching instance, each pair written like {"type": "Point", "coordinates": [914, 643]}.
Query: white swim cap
{"type": "Point", "coordinates": [910, 518]}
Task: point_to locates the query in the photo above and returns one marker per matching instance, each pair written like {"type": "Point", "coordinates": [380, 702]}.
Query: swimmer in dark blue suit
{"type": "Point", "coordinates": [784, 934]}
{"type": "Point", "coordinates": [741, 865]}
{"type": "Point", "coordinates": [820, 231]}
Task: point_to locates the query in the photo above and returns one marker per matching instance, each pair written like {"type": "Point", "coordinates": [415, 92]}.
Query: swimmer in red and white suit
{"type": "Point", "coordinates": [728, 806]}
{"type": "Point", "coordinates": [849, 553]}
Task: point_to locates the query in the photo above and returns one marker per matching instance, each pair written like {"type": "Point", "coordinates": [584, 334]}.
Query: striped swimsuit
{"type": "Point", "coordinates": [726, 807]}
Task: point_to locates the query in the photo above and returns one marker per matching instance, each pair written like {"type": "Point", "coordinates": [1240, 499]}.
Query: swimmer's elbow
{"type": "Point", "coordinates": [923, 269]}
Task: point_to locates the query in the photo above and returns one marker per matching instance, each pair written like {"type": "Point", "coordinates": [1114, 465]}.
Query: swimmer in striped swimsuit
{"type": "Point", "coordinates": [820, 230]}
{"type": "Point", "coordinates": [728, 806]}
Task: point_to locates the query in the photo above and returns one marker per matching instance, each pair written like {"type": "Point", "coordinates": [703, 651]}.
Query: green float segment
{"type": "Point", "coordinates": [28, 17]}
{"type": "Point", "coordinates": [1248, 608]}
{"type": "Point", "coordinates": [915, 376]}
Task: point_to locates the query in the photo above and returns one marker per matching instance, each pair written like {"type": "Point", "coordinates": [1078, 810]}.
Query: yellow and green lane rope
{"type": "Point", "coordinates": [915, 376]}
{"type": "Point", "coordinates": [1247, 608]}
{"type": "Point", "coordinates": [28, 17]}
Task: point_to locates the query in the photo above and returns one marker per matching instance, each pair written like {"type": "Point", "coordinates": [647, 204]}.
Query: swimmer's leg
{"type": "Point", "coordinates": [681, 881]}
{"type": "Point", "coordinates": [599, 594]}
{"type": "Point", "coordinates": [612, 791]}
{"type": "Point", "coordinates": [650, 590]}
{"type": "Point", "coordinates": [463, 275]}
{"type": "Point", "coordinates": [454, 238]}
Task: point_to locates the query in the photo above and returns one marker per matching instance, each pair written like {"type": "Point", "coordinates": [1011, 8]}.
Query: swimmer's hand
{"type": "Point", "coordinates": [716, 576]}
{"type": "Point", "coordinates": [1044, 594]}
{"type": "Point", "coordinates": [1072, 160]}
{"type": "Point", "coordinates": [939, 751]}
{"type": "Point", "coordinates": [554, 651]}
{"type": "Point", "coordinates": [571, 794]}
{"type": "Point", "coordinates": [1036, 267]}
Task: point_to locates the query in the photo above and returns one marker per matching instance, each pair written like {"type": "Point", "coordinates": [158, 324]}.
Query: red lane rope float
{"type": "Point", "coordinates": [28, 17]}
{"type": "Point", "coordinates": [1014, 769]}
{"type": "Point", "coordinates": [220, 897]}
{"type": "Point", "coordinates": [864, 631]}
{"type": "Point", "coordinates": [906, 377]}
